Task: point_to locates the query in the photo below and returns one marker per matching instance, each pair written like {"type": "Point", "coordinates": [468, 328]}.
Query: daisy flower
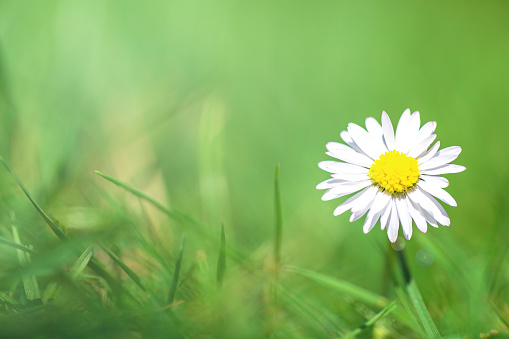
{"type": "Point", "coordinates": [397, 174]}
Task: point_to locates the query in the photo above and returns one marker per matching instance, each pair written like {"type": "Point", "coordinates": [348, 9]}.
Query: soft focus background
{"type": "Point", "coordinates": [194, 103]}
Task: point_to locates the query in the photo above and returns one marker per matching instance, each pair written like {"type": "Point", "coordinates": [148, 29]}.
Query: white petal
{"type": "Point", "coordinates": [448, 153]}
{"type": "Point", "coordinates": [388, 132]}
{"type": "Point", "coordinates": [344, 189]}
{"type": "Point", "coordinates": [362, 204]}
{"type": "Point", "coordinates": [437, 161]}
{"type": "Point", "coordinates": [449, 168]}
{"type": "Point", "coordinates": [363, 139]}
{"type": "Point", "coordinates": [379, 205]}
{"type": "Point", "coordinates": [370, 221]}
{"type": "Point", "coordinates": [405, 132]}
{"type": "Point", "coordinates": [427, 203]}
{"type": "Point", "coordinates": [384, 218]}
{"type": "Point", "coordinates": [345, 206]}
{"type": "Point", "coordinates": [416, 214]}
{"type": "Point", "coordinates": [437, 192]}
{"type": "Point", "coordinates": [423, 133]}
{"type": "Point", "coordinates": [437, 181]}
{"type": "Point", "coordinates": [415, 123]}
{"type": "Point", "coordinates": [349, 141]}
{"type": "Point", "coordinates": [429, 154]}
{"type": "Point", "coordinates": [341, 167]}
{"type": "Point", "coordinates": [380, 202]}
{"type": "Point", "coordinates": [358, 211]}
{"type": "Point", "coordinates": [429, 219]}
{"type": "Point", "coordinates": [345, 153]}
{"type": "Point", "coordinates": [451, 150]}
{"type": "Point", "coordinates": [392, 230]}
{"type": "Point", "coordinates": [351, 177]}
{"type": "Point", "coordinates": [447, 220]}
{"type": "Point", "coordinates": [422, 147]}
{"type": "Point", "coordinates": [404, 217]}
{"type": "Point", "coordinates": [329, 183]}
{"type": "Point", "coordinates": [374, 129]}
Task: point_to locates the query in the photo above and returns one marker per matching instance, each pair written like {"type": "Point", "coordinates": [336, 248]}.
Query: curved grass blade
{"type": "Point", "coordinates": [416, 299]}
{"type": "Point", "coordinates": [384, 312]}
{"type": "Point", "coordinates": [43, 214]}
{"type": "Point", "coordinates": [5, 298]}
{"type": "Point", "coordinates": [174, 282]}
{"type": "Point", "coordinates": [221, 260]}
{"type": "Point", "coordinates": [323, 323]}
{"type": "Point", "coordinates": [82, 262]}
{"type": "Point", "coordinates": [413, 321]}
{"type": "Point", "coordinates": [130, 273]}
{"type": "Point", "coordinates": [422, 311]}
{"type": "Point", "coordinates": [16, 246]}
{"type": "Point", "coordinates": [171, 213]}
{"type": "Point", "coordinates": [30, 284]}
{"type": "Point", "coordinates": [175, 214]}
{"type": "Point", "coordinates": [342, 286]}
{"type": "Point", "coordinates": [94, 264]}
{"type": "Point", "coordinates": [499, 314]}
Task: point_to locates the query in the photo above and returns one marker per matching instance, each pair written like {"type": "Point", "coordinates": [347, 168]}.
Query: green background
{"type": "Point", "coordinates": [195, 102]}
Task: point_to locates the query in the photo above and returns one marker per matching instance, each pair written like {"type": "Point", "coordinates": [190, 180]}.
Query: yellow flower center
{"type": "Point", "coordinates": [395, 172]}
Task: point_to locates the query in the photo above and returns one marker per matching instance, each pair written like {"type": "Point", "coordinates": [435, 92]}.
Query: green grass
{"type": "Point", "coordinates": [139, 139]}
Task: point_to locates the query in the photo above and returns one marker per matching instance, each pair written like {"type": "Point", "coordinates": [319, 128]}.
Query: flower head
{"type": "Point", "coordinates": [396, 174]}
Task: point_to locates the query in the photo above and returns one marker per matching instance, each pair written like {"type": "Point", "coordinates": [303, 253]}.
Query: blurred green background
{"type": "Point", "coordinates": [195, 102]}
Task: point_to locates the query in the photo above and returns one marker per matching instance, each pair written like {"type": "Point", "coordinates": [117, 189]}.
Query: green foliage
{"type": "Point", "coordinates": [188, 106]}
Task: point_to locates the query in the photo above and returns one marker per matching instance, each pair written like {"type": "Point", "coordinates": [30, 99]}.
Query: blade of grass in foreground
{"type": "Point", "coordinates": [4, 297]}
{"type": "Point", "coordinates": [416, 299]}
{"type": "Point", "coordinates": [16, 246]}
{"type": "Point", "coordinates": [413, 321]}
{"type": "Point", "coordinates": [82, 262]}
{"type": "Point", "coordinates": [309, 313]}
{"type": "Point", "coordinates": [343, 286]}
{"type": "Point", "coordinates": [130, 273]}
{"type": "Point", "coordinates": [279, 220]}
{"type": "Point", "coordinates": [171, 213]}
{"type": "Point", "coordinates": [384, 312]}
{"type": "Point", "coordinates": [43, 214]}
{"type": "Point", "coordinates": [221, 260]}
{"type": "Point", "coordinates": [94, 264]}
{"type": "Point", "coordinates": [175, 280]}
{"type": "Point", "coordinates": [30, 284]}
{"type": "Point", "coordinates": [175, 214]}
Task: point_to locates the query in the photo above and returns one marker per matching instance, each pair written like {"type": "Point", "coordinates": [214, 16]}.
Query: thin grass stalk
{"type": "Point", "coordinates": [221, 260]}
{"type": "Point", "coordinates": [416, 298]}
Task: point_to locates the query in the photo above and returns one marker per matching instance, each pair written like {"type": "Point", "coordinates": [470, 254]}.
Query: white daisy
{"type": "Point", "coordinates": [397, 175]}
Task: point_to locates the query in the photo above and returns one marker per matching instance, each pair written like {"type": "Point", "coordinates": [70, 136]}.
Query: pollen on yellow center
{"type": "Point", "coordinates": [395, 172]}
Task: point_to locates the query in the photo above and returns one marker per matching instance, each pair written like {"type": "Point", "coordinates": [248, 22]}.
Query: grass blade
{"type": "Point", "coordinates": [422, 311]}
{"type": "Point", "coordinates": [130, 273]}
{"type": "Point", "coordinates": [221, 260]}
{"type": "Point", "coordinates": [82, 262]}
{"type": "Point", "coordinates": [30, 284]}
{"type": "Point", "coordinates": [174, 282]}
{"type": "Point", "coordinates": [43, 214]}
{"type": "Point", "coordinates": [141, 195]}
{"type": "Point", "coordinates": [499, 314]}
{"type": "Point", "coordinates": [384, 312]}
{"type": "Point", "coordinates": [279, 220]}
{"type": "Point", "coordinates": [4, 297]}
{"type": "Point", "coordinates": [416, 299]}
{"type": "Point", "coordinates": [176, 215]}
{"type": "Point", "coordinates": [342, 286]}
{"type": "Point", "coordinates": [94, 265]}
{"type": "Point", "coordinates": [16, 246]}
